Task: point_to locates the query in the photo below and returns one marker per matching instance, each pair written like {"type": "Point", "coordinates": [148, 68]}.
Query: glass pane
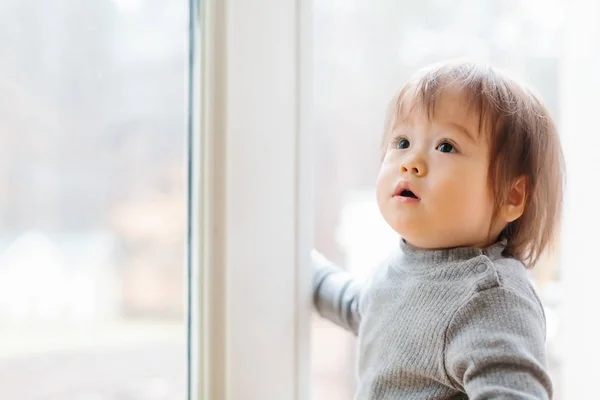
{"type": "Point", "coordinates": [362, 54]}
{"type": "Point", "coordinates": [93, 199]}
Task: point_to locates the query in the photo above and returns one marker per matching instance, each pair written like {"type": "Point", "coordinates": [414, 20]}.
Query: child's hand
{"type": "Point", "coordinates": [335, 293]}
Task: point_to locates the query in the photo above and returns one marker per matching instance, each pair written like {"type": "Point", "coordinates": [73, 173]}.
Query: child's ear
{"type": "Point", "coordinates": [515, 201]}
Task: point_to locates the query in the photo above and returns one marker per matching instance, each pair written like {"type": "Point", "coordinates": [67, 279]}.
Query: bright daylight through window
{"type": "Point", "coordinates": [93, 200]}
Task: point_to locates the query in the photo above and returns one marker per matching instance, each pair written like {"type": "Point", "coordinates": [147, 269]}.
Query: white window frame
{"type": "Point", "coordinates": [251, 195]}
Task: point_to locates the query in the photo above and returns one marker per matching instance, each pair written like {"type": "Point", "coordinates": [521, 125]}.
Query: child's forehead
{"type": "Point", "coordinates": [448, 105]}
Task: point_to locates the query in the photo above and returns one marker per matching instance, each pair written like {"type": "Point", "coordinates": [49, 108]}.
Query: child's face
{"type": "Point", "coordinates": [444, 162]}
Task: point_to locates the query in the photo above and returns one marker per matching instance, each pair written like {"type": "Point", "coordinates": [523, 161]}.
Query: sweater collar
{"type": "Point", "coordinates": [418, 259]}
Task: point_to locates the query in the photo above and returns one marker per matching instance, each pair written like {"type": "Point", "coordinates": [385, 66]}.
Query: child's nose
{"type": "Point", "coordinates": [414, 166]}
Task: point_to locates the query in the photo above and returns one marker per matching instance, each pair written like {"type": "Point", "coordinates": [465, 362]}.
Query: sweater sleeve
{"type": "Point", "coordinates": [335, 293]}
{"type": "Point", "coordinates": [495, 347]}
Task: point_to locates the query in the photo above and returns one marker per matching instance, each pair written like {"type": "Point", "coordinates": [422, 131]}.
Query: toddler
{"type": "Point", "coordinates": [471, 179]}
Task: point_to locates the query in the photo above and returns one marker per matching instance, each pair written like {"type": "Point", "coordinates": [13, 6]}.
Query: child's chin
{"type": "Point", "coordinates": [409, 226]}
{"type": "Point", "coordinates": [412, 236]}
{"type": "Point", "coordinates": [417, 234]}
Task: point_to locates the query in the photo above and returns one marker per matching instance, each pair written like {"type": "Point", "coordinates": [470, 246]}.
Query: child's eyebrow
{"type": "Point", "coordinates": [461, 129]}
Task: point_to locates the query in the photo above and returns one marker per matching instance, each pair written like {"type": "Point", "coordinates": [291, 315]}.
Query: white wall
{"type": "Point", "coordinates": [580, 267]}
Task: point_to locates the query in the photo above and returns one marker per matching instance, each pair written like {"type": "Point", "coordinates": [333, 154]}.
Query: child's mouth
{"type": "Point", "coordinates": [404, 194]}
{"type": "Point", "coordinates": [408, 193]}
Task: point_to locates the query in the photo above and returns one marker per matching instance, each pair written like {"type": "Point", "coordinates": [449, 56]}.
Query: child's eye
{"type": "Point", "coordinates": [446, 147]}
{"type": "Point", "coordinates": [402, 143]}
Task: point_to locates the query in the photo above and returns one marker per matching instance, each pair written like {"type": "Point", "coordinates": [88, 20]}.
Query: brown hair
{"type": "Point", "coordinates": [523, 142]}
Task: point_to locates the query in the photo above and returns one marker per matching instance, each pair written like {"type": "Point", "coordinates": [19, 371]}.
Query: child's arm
{"type": "Point", "coordinates": [495, 347]}
{"type": "Point", "coordinates": [335, 293]}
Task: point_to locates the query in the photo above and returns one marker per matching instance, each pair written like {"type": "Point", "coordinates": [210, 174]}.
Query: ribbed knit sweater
{"type": "Point", "coordinates": [461, 323]}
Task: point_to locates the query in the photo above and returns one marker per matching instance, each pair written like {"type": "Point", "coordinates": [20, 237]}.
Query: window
{"type": "Point", "coordinates": [94, 187]}
{"type": "Point", "coordinates": [93, 200]}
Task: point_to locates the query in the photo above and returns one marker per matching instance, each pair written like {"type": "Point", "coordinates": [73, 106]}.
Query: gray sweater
{"type": "Point", "coordinates": [460, 323]}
